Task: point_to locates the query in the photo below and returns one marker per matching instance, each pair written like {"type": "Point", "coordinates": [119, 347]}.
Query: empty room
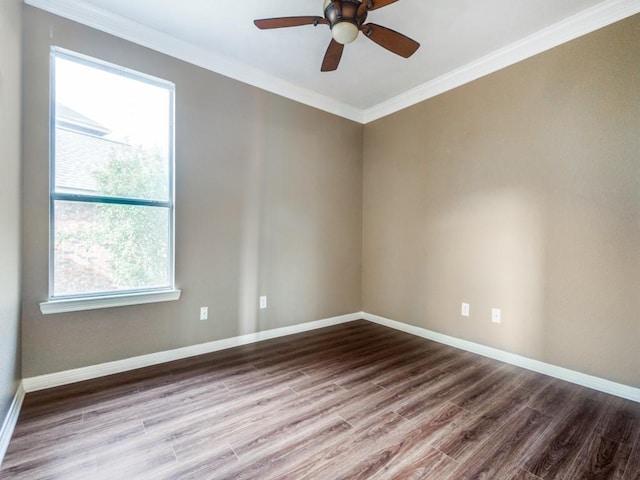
{"type": "Point", "coordinates": [381, 239]}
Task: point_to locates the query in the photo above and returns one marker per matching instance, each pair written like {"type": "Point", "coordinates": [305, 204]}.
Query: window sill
{"type": "Point", "coordinates": [94, 303]}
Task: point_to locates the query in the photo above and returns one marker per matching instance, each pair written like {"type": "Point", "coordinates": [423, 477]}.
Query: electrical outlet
{"type": "Point", "coordinates": [204, 313]}
{"type": "Point", "coordinates": [496, 315]}
{"type": "Point", "coordinates": [464, 311]}
{"type": "Point", "coordinates": [263, 302]}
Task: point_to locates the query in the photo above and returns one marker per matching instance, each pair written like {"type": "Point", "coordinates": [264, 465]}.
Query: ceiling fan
{"type": "Point", "coordinates": [346, 19]}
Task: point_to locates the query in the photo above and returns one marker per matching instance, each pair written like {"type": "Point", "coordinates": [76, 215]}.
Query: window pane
{"type": "Point", "coordinates": [104, 248]}
{"type": "Point", "coordinates": [112, 178]}
{"type": "Point", "coordinates": [112, 133]}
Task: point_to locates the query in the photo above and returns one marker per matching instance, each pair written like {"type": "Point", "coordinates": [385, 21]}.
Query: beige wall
{"type": "Point", "coordinates": [518, 191]}
{"type": "Point", "coordinates": [10, 65]}
{"type": "Point", "coordinates": [522, 191]}
{"type": "Point", "coordinates": [264, 207]}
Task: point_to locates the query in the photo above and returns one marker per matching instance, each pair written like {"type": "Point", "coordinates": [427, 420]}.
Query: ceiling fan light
{"type": "Point", "coordinates": [344, 32]}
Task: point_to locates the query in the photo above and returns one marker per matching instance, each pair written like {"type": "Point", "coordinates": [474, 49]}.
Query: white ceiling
{"type": "Point", "coordinates": [461, 40]}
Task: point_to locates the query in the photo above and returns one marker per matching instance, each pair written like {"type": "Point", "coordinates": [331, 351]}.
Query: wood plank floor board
{"type": "Point", "coordinates": [266, 462]}
{"type": "Point", "coordinates": [65, 434]}
{"type": "Point", "coordinates": [252, 436]}
{"type": "Point", "coordinates": [451, 386]}
{"type": "Point", "coordinates": [176, 421]}
{"type": "Point", "coordinates": [350, 372]}
{"type": "Point", "coordinates": [134, 458]}
{"type": "Point", "coordinates": [73, 448]}
{"type": "Point", "coordinates": [374, 367]}
{"type": "Point", "coordinates": [428, 361]}
{"type": "Point", "coordinates": [463, 441]}
{"type": "Point", "coordinates": [350, 361]}
{"type": "Point", "coordinates": [553, 397]}
{"type": "Point", "coordinates": [465, 360]}
{"type": "Point", "coordinates": [620, 421]}
{"type": "Point", "coordinates": [373, 436]}
{"type": "Point", "coordinates": [352, 401]}
{"type": "Point", "coordinates": [149, 399]}
{"type": "Point", "coordinates": [426, 463]}
{"type": "Point", "coordinates": [500, 457]}
{"type": "Point", "coordinates": [392, 400]}
{"type": "Point", "coordinates": [60, 467]}
{"type": "Point", "coordinates": [632, 470]}
{"type": "Point", "coordinates": [262, 380]}
{"type": "Point", "coordinates": [521, 474]}
{"type": "Point", "coordinates": [475, 397]}
{"type": "Point", "coordinates": [409, 447]}
{"type": "Point", "coordinates": [183, 432]}
{"type": "Point", "coordinates": [200, 464]}
{"type": "Point", "coordinates": [38, 407]}
{"type": "Point", "coordinates": [26, 431]}
{"type": "Point", "coordinates": [236, 426]}
{"type": "Point", "coordinates": [533, 381]}
{"type": "Point", "coordinates": [557, 448]}
{"type": "Point", "coordinates": [75, 439]}
{"type": "Point", "coordinates": [600, 459]}
{"type": "Point", "coordinates": [213, 395]}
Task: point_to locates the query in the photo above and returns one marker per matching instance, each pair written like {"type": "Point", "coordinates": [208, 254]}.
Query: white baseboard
{"type": "Point", "coordinates": [11, 420]}
{"type": "Point", "coordinates": [589, 381]}
{"type": "Point", "coordinates": [95, 371]}
{"type": "Point", "coordinates": [42, 382]}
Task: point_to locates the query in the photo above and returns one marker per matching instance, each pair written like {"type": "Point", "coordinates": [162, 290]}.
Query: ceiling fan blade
{"type": "Point", "coordinates": [332, 57]}
{"type": "Point", "coordinates": [380, 3]}
{"type": "Point", "coordinates": [283, 22]}
{"type": "Point", "coordinates": [363, 8]}
{"type": "Point", "coordinates": [390, 39]}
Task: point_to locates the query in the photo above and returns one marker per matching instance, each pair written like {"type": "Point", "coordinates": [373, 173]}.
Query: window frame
{"type": "Point", "coordinates": [113, 298]}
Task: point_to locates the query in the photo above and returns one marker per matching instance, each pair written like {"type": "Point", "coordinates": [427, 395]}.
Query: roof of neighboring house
{"type": "Point", "coordinates": [70, 118]}
{"type": "Point", "coordinates": [81, 151]}
{"type": "Point", "coordinates": [79, 157]}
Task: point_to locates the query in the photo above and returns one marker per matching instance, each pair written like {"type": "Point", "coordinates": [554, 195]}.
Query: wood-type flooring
{"type": "Point", "coordinates": [354, 401]}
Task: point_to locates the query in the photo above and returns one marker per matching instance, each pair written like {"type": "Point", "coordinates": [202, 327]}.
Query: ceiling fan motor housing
{"type": "Point", "coordinates": [343, 19]}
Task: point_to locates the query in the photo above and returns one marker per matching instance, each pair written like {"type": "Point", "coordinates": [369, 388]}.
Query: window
{"type": "Point", "coordinates": [111, 185]}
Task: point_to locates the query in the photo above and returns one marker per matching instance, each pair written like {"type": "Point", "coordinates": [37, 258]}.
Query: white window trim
{"type": "Point", "coordinates": [111, 299]}
{"type": "Point", "coordinates": [107, 301]}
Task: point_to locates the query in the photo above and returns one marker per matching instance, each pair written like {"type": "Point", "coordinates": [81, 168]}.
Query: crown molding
{"type": "Point", "coordinates": [594, 18]}
{"type": "Point", "coordinates": [601, 15]}
{"type": "Point", "coordinates": [107, 22]}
